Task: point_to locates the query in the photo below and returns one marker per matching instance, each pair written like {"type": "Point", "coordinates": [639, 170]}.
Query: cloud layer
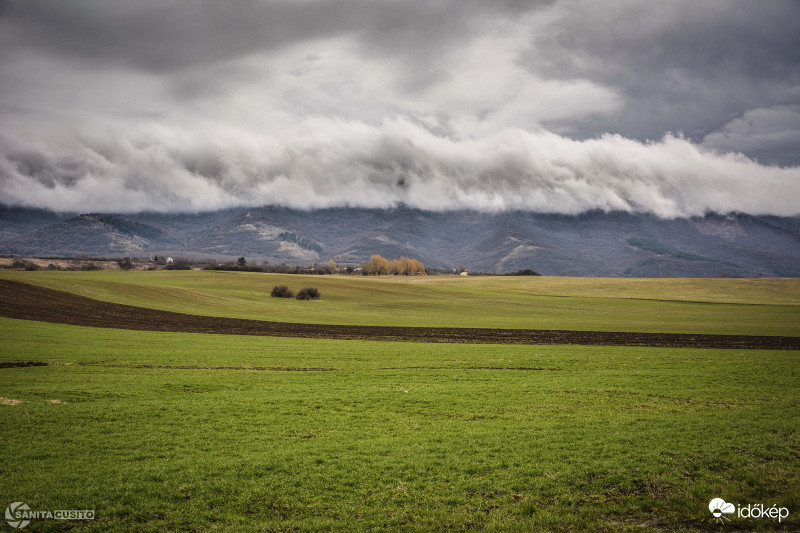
{"type": "Point", "coordinates": [325, 162]}
{"type": "Point", "coordinates": [558, 106]}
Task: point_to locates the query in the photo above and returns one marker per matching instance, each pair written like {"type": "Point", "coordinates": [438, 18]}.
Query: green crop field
{"type": "Point", "coordinates": [724, 306]}
{"type": "Point", "coordinates": [177, 431]}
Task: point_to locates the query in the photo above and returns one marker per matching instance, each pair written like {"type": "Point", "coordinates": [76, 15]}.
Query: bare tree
{"type": "Point", "coordinates": [378, 265]}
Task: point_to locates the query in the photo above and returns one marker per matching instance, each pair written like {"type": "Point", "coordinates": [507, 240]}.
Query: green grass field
{"type": "Point", "coordinates": [174, 432]}
{"type": "Point", "coordinates": [724, 306]}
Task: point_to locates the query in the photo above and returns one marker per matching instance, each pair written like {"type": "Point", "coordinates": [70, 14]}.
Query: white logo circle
{"type": "Point", "coordinates": [718, 507]}
{"type": "Point", "coordinates": [11, 519]}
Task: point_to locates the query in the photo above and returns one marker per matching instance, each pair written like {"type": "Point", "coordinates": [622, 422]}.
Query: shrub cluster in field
{"type": "Point", "coordinates": [309, 293]}
{"type": "Point", "coordinates": [282, 291]}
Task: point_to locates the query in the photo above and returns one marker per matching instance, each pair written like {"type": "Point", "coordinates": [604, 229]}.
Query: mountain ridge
{"type": "Point", "coordinates": [592, 243]}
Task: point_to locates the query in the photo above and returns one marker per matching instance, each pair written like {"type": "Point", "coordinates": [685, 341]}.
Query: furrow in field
{"type": "Point", "coordinates": [29, 302]}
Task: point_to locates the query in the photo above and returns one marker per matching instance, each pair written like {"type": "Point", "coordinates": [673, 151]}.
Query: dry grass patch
{"type": "Point", "coordinates": [9, 401]}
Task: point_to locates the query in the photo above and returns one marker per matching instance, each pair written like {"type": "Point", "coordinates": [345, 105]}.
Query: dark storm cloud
{"type": "Point", "coordinates": [168, 35]}
{"type": "Point", "coordinates": [768, 134]}
{"type": "Point", "coordinates": [159, 36]}
{"type": "Point", "coordinates": [184, 104]}
{"type": "Point", "coordinates": [685, 66]}
{"type": "Point", "coordinates": [173, 38]}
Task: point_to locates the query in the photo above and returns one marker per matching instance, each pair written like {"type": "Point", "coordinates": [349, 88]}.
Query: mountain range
{"type": "Point", "coordinates": [590, 244]}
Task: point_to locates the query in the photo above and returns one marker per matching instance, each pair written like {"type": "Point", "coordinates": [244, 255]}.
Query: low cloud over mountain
{"type": "Point", "coordinates": [326, 163]}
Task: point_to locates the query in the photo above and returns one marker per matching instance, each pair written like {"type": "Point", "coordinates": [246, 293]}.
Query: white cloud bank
{"type": "Point", "coordinates": [324, 162]}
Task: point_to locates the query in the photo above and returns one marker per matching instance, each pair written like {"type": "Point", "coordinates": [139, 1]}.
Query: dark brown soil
{"type": "Point", "coordinates": [29, 302]}
{"type": "Point", "coordinates": [21, 364]}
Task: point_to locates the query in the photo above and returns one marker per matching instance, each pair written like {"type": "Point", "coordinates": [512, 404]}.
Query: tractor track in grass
{"type": "Point", "coordinates": [30, 302]}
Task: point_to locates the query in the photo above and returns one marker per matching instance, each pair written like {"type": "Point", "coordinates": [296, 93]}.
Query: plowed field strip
{"type": "Point", "coordinates": [29, 302]}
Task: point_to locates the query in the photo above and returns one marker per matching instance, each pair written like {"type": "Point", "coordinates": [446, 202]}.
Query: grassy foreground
{"type": "Point", "coordinates": [175, 432]}
{"type": "Point", "coordinates": [196, 432]}
{"type": "Point", "coordinates": [722, 306]}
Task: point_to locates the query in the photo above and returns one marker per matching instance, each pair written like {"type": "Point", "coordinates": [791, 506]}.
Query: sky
{"type": "Point", "coordinates": [675, 108]}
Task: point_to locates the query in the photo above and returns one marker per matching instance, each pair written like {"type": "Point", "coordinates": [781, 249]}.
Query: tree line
{"type": "Point", "coordinates": [406, 266]}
